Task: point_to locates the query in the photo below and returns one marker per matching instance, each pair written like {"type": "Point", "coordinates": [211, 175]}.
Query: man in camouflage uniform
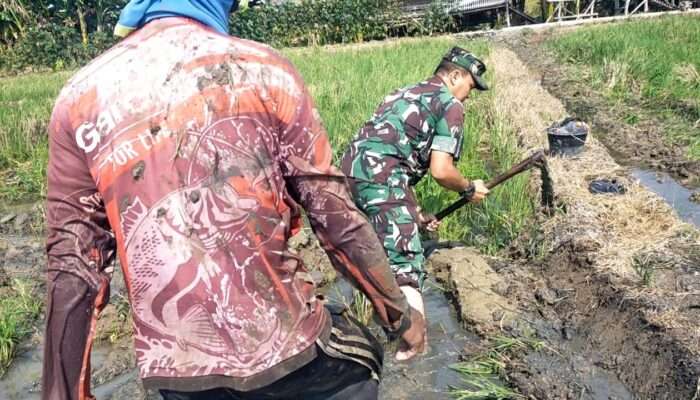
{"type": "Point", "coordinates": [415, 129]}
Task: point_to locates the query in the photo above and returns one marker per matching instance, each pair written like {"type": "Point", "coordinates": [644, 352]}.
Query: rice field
{"type": "Point", "coordinates": [654, 63]}
{"type": "Point", "coordinates": [19, 308]}
{"type": "Point", "coordinates": [347, 85]}
{"type": "Point", "coordinates": [25, 107]}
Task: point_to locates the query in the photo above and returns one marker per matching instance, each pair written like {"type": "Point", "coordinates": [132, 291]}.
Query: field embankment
{"type": "Point", "coordinates": [608, 283]}
{"type": "Point", "coordinates": [636, 82]}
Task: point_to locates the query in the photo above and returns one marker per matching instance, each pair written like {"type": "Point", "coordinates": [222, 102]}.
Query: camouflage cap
{"type": "Point", "coordinates": [469, 62]}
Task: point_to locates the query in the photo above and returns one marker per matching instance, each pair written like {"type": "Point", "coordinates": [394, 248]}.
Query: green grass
{"type": "Point", "coordinates": [19, 308]}
{"type": "Point", "coordinates": [644, 267]}
{"type": "Point", "coordinates": [348, 85]}
{"type": "Point", "coordinates": [25, 108]}
{"type": "Point", "coordinates": [656, 61]}
{"type": "Point", "coordinates": [360, 308]}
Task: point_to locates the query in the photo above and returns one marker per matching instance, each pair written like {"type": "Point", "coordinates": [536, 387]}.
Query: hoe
{"type": "Point", "coordinates": [537, 159]}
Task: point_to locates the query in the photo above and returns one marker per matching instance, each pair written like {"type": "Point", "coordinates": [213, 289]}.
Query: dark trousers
{"type": "Point", "coordinates": [324, 378]}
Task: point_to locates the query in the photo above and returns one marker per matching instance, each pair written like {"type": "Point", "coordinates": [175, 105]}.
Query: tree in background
{"type": "Point", "coordinates": [14, 18]}
{"type": "Point", "coordinates": [86, 16]}
{"type": "Point", "coordinates": [54, 33]}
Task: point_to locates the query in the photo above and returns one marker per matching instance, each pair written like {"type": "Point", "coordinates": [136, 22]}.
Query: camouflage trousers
{"type": "Point", "coordinates": [393, 212]}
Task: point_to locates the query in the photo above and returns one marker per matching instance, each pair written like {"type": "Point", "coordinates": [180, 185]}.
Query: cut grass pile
{"type": "Point", "coordinates": [19, 308]}
{"type": "Point", "coordinates": [481, 373]}
{"type": "Point", "coordinates": [654, 62]}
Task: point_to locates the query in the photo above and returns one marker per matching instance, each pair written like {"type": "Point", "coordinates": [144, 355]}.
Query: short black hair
{"type": "Point", "coordinates": [448, 66]}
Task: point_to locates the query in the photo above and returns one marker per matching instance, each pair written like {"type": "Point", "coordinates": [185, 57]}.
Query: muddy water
{"type": "Point", "coordinates": [23, 380]}
{"type": "Point", "coordinates": [672, 192]}
{"type": "Point", "coordinates": [577, 363]}
{"type": "Point", "coordinates": [429, 377]}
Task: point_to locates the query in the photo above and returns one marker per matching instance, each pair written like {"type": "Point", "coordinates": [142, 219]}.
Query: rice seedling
{"type": "Point", "coordinates": [19, 308]}
{"type": "Point", "coordinates": [481, 372]}
{"type": "Point", "coordinates": [485, 389]}
{"type": "Point", "coordinates": [118, 325]}
{"type": "Point", "coordinates": [361, 308]}
{"type": "Point", "coordinates": [347, 83]}
{"type": "Point", "coordinates": [25, 107]}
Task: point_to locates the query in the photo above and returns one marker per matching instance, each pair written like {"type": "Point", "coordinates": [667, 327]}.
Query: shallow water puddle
{"type": "Point", "coordinates": [672, 192]}
{"type": "Point", "coordinates": [428, 377]}
{"type": "Point", "coordinates": [23, 380]}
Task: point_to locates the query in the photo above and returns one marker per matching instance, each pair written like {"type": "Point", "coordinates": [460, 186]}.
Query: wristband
{"type": "Point", "coordinates": [468, 193]}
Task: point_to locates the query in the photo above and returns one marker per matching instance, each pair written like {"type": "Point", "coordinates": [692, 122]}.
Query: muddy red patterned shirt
{"type": "Point", "coordinates": [190, 155]}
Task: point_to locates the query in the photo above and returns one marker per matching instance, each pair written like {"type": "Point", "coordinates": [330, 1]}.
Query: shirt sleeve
{"type": "Point", "coordinates": [323, 192]}
{"type": "Point", "coordinates": [449, 131]}
{"type": "Point", "coordinates": [80, 245]}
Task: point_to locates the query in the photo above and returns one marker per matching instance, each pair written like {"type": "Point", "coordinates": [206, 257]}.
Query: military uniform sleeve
{"type": "Point", "coordinates": [80, 244]}
{"type": "Point", "coordinates": [449, 130]}
{"type": "Point", "coordinates": [322, 190]}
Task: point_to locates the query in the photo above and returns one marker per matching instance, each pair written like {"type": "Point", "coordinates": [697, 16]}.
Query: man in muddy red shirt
{"type": "Point", "coordinates": [189, 155]}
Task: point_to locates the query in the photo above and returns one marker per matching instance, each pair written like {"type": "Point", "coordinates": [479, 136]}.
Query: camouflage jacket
{"type": "Point", "coordinates": [190, 154]}
{"type": "Point", "coordinates": [393, 147]}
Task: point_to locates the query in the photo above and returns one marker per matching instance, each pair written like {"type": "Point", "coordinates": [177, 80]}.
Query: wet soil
{"type": "Point", "coordinates": [605, 335]}
{"type": "Point", "coordinates": [600, 339]}
{"type": "Point", "coordinates": [644, 143]}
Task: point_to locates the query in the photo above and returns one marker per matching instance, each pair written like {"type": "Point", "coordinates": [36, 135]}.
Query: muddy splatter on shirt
{"type": "Point", "coordinates": [189, 155]}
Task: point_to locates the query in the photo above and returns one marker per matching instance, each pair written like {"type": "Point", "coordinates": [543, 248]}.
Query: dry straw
{"type": "Point", "coordinates": [619, 225]}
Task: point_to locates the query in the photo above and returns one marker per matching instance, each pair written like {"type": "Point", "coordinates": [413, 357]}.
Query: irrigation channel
{"type": "Point", "coordinates": [22, 380]}
{"type": "Point", "coordinates": [432, 377]}
{"type": "Point", "coordinates": [675, 194]}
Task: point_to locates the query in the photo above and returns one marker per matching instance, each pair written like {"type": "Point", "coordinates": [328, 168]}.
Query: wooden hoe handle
{"type": "Point", "coordinates": [522, 166]}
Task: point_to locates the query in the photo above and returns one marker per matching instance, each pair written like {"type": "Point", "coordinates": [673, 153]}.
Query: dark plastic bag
{"type": "Point", "coordinates": [606, 186]}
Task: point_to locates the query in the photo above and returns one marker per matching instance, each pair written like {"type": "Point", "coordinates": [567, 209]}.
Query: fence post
{"type": "Point", "coordinates": [508, 13]}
